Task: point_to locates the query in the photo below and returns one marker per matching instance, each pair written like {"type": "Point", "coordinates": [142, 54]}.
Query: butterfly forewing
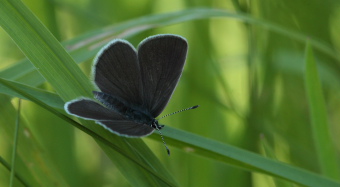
{"type": "Point", "coordinates": [117, 72]}
{"type": "Point", "coordinates": [161, 61]}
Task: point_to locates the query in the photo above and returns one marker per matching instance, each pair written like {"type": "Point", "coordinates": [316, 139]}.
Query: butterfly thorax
{"type": "Point", "coordinates": [127, 110]}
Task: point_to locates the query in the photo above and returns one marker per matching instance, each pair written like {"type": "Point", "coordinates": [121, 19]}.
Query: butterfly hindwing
{"type": "Point", "coordinates": [114, 122]}
{"type": "Point", "coordinates": [89, 109]}
{"type": "Point", "coordinates": [127, 128]}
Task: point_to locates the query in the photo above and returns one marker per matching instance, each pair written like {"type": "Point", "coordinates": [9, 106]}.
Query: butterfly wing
{"type": "Point", "coordinates": [161, 61]}
{"type": "Point", "coordinates": [89, 109]}
{"type": "Point", "coordinates": [117, 72]}
{"type": "Point", "coordinates": [127, 128]}
{"type": "Point", "coordinates": [114, 122]}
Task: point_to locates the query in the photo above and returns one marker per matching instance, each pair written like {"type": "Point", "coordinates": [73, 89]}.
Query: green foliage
{"type": "Point", "coordinates": [321, 132]}
{"type": "Point", "coordinates": [244, 67]}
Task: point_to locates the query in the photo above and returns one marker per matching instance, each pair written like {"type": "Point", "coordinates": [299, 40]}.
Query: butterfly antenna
{"type": "Point", "coordinates": [166, 147]}
{"type": "Point", "coordinates": [193, 107]}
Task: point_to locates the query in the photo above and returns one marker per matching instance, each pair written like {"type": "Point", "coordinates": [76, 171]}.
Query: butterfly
{"type": "Point", "coordinates": [135, 85]}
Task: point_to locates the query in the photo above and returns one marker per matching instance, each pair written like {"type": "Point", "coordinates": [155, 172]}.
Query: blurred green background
{"type": "Point", "coordinates": [247, 76]}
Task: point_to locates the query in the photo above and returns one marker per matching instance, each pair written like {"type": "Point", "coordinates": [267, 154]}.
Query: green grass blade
{"type": "Point", "coordinates": [325, 148]}
{"type": "Point", "coordinates": [15, 143]}
{"type": "Point", "coordinates": [52, 99]}
{"type": "Point", "coordinates": [86, 130]}
{"type": "Point", "coordinates": [59, 69]}
{"type": "Point", "coordinates": [8, 167]}
{"type": "Point", "coordinates": [40, 47]}
{"type": "Point", "coordinates": [87, 45]}
{"type": "Point", "coordinates": [32, 160]}
{"type": "Point", "coordinates": [242, 158]}
{"type": "Point", "coordinates": [210, 149]}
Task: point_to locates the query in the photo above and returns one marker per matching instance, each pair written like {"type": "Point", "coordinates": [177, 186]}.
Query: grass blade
{"type": "Point", "coordinates": [32, 160]}
{"type": "Point", "coordinates": [210, 149]}
{"type": "Point", "coordinates": [15, 143]}
{"type": "Point", "coordinates": [8, 167]}
{"type": "Point", "coordinates": [87, 45]}
{"type": "Point", "coordinates": [241, 158]}
{"type": "Point", "coordinates": [52, 99]}
{"type": "Point", "coordinates": [318, 114]}
{"type": "Point", "coordinates": [86, 130]}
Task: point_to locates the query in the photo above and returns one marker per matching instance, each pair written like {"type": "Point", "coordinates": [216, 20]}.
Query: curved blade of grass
{"type": "Point", "coordinates": [40, 47]}
{"type": "Point", "coordinates": [86, 130]}
{"type": "Point", "coordinates": [87, 45]}
{"type": "Point", "coordinates": [132, 27]}
{"type": "Point", "coordinates": [325, 148]}
{"type": "Point", "coordinates": [217, 151]}
{"type": "Point", "coordinates": [59, 69]}
{"type": "Point", "coordinates": [53, 99]}
{"type": "Point", "coordinates": [241, 158]}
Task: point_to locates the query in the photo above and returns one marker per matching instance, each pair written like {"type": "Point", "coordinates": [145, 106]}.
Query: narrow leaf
{"type": "Point", "coordinates": [325, 149]}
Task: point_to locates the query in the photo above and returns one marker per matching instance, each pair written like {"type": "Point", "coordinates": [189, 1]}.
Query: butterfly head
{"type": "Point", "coordinates": [156, 125]}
